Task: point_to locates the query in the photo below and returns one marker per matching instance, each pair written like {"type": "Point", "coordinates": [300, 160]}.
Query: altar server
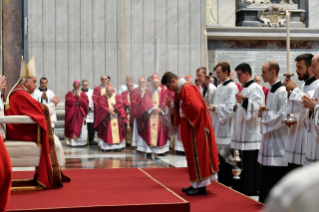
{"type": "Point", "coordinates": [297, 137]}
{"type": "Point", "coordinates": [207, 89]}
{"type": "Point", "coordinates": [246, 130]}
{"type": "Point", "coordinates": [274, 132]}
{"type": "Point", "coordinates": [90, 115]}
{"type": "Point", "coordinates": [76, 110]}
{"type": "Point", "coordinates": [312, 119]}
{"type": "Point", "coordinates": [223, 118]}
{"type": "Point", "coordinates": [43, 94]}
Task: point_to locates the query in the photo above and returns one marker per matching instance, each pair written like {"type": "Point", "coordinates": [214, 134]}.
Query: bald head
{"type": "Point", "coordinates": [129, 78]}
{"type": "Point", "coordinates": [156, 83]}
{"type": "Point", "coordinates": [257, 79]}
{"type": "Point", "coordinates": [109, 91]}
{"type": "Point", "coordinates": [141, 83]}
{"type": "Point", "coordinates": [315, 65]}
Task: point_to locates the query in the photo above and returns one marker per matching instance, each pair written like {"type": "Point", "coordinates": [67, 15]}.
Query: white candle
{"type": "Point", "coordinates": [206, 48]}
{"type": "Point", "coordinates": [288, 40]}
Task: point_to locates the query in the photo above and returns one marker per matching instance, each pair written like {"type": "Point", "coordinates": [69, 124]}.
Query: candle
{"type": "Point", "coordinates": [206, 48]}
{"type": "Point", "coordinates": [288, 40]}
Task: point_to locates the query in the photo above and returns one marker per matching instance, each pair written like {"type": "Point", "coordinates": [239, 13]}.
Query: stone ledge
{"type": "Point", "coordinates": [260, 33]}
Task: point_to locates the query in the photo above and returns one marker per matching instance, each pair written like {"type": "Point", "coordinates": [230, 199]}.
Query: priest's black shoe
{"type": "Point", "coordinates": [197, 191]}
{"type": "Point", "coordinates": [187, 189]}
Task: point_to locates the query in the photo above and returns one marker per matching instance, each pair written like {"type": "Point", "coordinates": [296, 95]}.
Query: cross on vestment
{"type": "Point", "coordinates": [114, 124]}
{"type": "Point", "coordinates": [154, 102]}
{"type": "Point", "coordinates": [153, 125]}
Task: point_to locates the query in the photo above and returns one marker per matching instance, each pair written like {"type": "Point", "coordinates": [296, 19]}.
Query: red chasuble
{"type": "Point", "coordinates": [153, 128]}
{"type": "Point", "coordinates": [95, 97]}
{"type": "Point", "coordinates": [135, 98]}
{"type": "Point", "coordinates": [22, 103]}
{"type": "Point", "coordinates": [76, 110]}
{"type": "Point", "coordinates": [5, 176]}
{"type": "Point", "coordinates": [110, 130]}
{"type": "Point", "coordinates": [197, 133]}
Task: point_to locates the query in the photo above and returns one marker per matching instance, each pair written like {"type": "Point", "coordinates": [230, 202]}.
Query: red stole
{"type": "Point", "coordinates": [102, 123]}
{"type": "Point", "coordinates": [76, 110]}
{"type": "Point", "coordinates": [22, 103]}
{"type": "Point", "coordinates": [198, 134]}
{"type": "Point", "coordinates": [148, 121]}
{"type": "Point", "coordinates": [5, 176]}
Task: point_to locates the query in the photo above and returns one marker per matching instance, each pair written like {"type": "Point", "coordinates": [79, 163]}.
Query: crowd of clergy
{"type": "Point", "coordinates": [245, 116]}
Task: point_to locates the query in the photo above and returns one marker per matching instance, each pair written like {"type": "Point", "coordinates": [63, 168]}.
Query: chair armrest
{"type": "Point", "coordinates": [16, 120]}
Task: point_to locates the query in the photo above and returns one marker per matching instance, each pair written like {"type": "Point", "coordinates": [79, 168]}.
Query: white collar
{"type": "Point", "coordinates": [110, 96]}
{"type": "Point", "coordinates": [180, 84]}
{"type": "Point", "coordinates": [158, 90]}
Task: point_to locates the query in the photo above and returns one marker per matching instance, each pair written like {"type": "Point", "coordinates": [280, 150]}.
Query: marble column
{"type": "Point", "coordinates": [313, 14]}
{"type": "Point", "coordinates": [12, 40]}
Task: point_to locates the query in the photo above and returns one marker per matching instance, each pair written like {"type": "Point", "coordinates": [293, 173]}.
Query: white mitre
{"type": "Point", "coordinates": [27, 71]}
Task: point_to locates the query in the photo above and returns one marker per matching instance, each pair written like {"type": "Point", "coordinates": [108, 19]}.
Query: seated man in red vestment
{"type": "Point", "coordinates": [20, 102]}
{"type": "Point", "coordinates": [190, 111]}
{"type": "Point", "coordinates": [111, 121]}
{"type": "Point", "coordinates": [5, 162]}
{"type": "Point", "coordinates": [76, 110]}
{"type": "Point", "coordinates": [153, 128]}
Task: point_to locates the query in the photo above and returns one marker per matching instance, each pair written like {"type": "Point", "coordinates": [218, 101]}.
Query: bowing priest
{"type": "Point", "coordinates": [20, 102]}
{"type": "Point", "coordinates": [246, 130]}
{"type": "Point", "coordinates": [223, 118]}
{"type": "Point", "coordinates": [5, 162]}
{"type": "Point", "coordinates": [274, 132]}
{"type": "Point", "coordinates": [90, 115]}
{"type": "Point", "coordinates": [297, 137]}
{"type": "Point", "coordinates": [76, 110]}
{"type": "Point", "coordinates": [153, 128]}
{"type": "Point", "coordinates": [136, 98]}
{"type": "Point", "coordinates": [312, 119]}
{"type": "Point", "coordinates": [190, 111]}
{"type": "Point", "coordinates": [111, 121]}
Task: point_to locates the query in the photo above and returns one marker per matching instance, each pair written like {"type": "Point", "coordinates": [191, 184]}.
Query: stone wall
{"type": "Point", "coordinates": [83, 39]}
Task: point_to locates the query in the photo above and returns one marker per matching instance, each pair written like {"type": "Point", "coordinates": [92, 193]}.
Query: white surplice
{"type": "Point", "coordinates": [298, 191]}
{"type": "Point", "coordinates": [81, 141]}
{"type": "Point", "coordinates": [297, 136]}
{"type": "Point", "coordinates": [312, 126]}
{"type": "Point", "coordinates": [224, 101]}
{"type": "Point", "coordinates": [209, 96]}
{"type": "Point", "coordinates": [246, 128]}
{"type": "Point", "coordinates": [274, 132]}
{"type": "Point", "coordinates": [90, 116]}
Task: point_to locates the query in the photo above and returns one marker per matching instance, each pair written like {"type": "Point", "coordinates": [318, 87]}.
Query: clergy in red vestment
{"type": "Point", "coordinates": [76, 110]}
{"type": "Point", "coordinates": [127, 106]}
{"type": "Point", "coordinates": [153, 128]}
{"type": "Point", "coordinates": [98, 92]}
{"type": "Point", "coordinates": [190, 111]}
{"type": "Point", "coordinates": [5, 162]}
{"type": "Point", "coordinates": [189, 78]}
{"type": "Point", "coordinates": [111, 121]}
{"type": "Point", "coordinates": [20, 102]}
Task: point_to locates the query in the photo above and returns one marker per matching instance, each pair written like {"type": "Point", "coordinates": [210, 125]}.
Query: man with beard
{"type": "Point", "coordinates": [297, 137]}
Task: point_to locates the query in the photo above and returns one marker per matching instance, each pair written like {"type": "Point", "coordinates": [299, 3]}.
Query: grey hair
{"type": "Point", "coordinates": [23, 80]}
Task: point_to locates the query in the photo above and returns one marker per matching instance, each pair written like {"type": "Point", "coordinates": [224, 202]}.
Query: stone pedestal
{"type": "Point", "coordinates": [12, 40]}
{"type": "Point", "coordinates": [247, 14]}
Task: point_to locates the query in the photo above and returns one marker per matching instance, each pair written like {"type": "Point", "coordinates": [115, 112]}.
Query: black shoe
{"type": "Point", "coordinates": [162, 155]}
{"type": "Point", "coordinates": [187, 189]}
{"type": "Point", "coordinates": [149, 156]}
{"type": "Point", "coordinates": [197, 191]}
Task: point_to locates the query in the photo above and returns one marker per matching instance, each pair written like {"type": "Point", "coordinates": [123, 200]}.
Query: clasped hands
{"type": "Point", "coordinates": [44, 95]}
{"type": "Point", "coordinates": [111, 111]}
{"type": "Point", "coordinates": [309, 103]}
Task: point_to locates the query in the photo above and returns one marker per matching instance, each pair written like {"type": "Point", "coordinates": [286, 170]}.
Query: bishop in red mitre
{"type": "Point", "coordinates": [190, 111]}
{"type": "Point", "coordinates": [20, 102]}
{"type": "Point", "coordinates": [76, 110]}
{"type": "Point", "coordinates": [153, 128]}
{"type": "Point", "coordinates": [110, 123]}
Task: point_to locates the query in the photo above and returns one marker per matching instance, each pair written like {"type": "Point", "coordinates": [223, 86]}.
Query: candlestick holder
{"type": "Point", "coordinates": [289, 120]}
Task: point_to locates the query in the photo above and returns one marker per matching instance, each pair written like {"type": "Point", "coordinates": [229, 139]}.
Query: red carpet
{"type": "Point", "coordinates": [219, 198]}
{"type": "Point", "coordinates": [99, 190]}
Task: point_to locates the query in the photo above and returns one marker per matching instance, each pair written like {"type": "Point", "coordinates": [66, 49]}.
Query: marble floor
{"type": "Point", "coordinates": [90, 157]}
